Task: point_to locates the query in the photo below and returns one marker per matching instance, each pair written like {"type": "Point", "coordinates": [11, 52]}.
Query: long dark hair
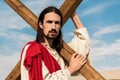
{"type": "Point", "coordinates": [57, 42]}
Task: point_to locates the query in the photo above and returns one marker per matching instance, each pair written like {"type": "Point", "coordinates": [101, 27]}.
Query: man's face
{"type": "Point", "coordinates": [51, 25]}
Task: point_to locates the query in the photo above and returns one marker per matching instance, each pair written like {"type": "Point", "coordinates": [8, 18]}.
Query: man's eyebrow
{"type": "Point", "coordinates": [53, 21]}
{"type": "Point", "coordinates": [49, 21]}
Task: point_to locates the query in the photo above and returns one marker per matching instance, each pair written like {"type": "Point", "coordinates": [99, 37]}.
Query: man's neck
{"type": "Point", "coordinates": [49, 42]}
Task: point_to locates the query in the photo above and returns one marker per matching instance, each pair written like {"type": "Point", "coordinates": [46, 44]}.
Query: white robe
{"type": "Point", "coordinates": [80, 43]}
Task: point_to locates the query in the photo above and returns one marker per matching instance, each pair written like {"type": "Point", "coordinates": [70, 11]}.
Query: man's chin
{"type": "Point", "coordinates": [51, 37]}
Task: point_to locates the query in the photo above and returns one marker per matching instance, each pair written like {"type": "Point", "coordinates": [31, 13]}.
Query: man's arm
{"type": "Point", "coordinates": [80, 43]}
{"type": "Point", "coordinates": [79, 25]}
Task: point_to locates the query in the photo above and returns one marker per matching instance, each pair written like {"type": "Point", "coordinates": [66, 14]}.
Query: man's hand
{"type": "Point", "coordinates": [76, 62]}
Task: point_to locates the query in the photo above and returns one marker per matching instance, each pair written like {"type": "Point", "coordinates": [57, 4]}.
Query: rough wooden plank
{"type": "Point", "coordinates": [23, 11]}
{"type": "Point", "coordinates": [68, 8]}
{"type": "Point", "coordinates": [15, 73]}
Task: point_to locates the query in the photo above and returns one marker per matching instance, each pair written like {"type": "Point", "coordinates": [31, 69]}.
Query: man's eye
{"type": "Point", "coordinates": [57, 22]}
{"type": "Point", "coordinates": [49, 21]}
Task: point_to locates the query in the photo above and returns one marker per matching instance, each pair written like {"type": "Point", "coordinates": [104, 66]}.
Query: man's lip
{"type": "Point", "coordinates": [53, 32]}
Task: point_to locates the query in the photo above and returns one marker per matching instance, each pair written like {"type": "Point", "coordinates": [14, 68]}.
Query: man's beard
{"type": "Point", "coordinates": [50, 35]}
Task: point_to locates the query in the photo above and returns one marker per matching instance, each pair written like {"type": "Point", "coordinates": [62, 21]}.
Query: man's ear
{"type": "Point", "coordinates": [40, 24]}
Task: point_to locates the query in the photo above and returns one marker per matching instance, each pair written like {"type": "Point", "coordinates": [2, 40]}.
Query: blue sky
{"type": "Point", "coordinates": [100, 17]}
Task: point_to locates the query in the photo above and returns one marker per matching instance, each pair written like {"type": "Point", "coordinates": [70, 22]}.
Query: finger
{"type": "Point", "coordinates": [74, 55]}
{"type": "Point", "coordinates": [79, 56]}
{"type": "Point", "coordinates": [84, 62]}
{"type": "Point", "coordinates": [82, 57]}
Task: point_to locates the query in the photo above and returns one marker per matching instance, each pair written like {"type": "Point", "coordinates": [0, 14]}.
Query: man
{"type": "Point", "coordinates": [41, 59]}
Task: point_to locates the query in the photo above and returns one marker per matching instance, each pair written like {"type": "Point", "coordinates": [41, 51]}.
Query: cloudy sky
{"type": "Point", "coordinates": [100, 17]}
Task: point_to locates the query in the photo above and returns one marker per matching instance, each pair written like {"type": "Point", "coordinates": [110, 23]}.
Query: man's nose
{"type": "Point", "coordinates": [53, 25]}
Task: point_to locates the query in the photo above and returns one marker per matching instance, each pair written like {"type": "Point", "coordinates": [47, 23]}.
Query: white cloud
{"type": "Point", "coordinates": [103, 49]}
{"type": "Point", "coordinates": [11, 20]}
{"type": "Point", "coordinates": [107, 30]}
{"type": "Point", "coordinates": [9, 56]}
{"type": "Point", "coordinates": [97, 42]}
{"type": "Point", "coordinates": [35, 6]}
{"type": "Point", "coordinates": [102, 55]}
{"type": "Point", "coordinates": [106, 68]}
{"type": "Point", "coordinates": [67, 36]}
{"type": "Point", "coordinates": [7, 64]}
{"type": "Point", "coordinates": [38, 5]}
{"type": "Point", "coordinates": [97, 8]}
{"type": "Point", "coordinates": [16, 37]}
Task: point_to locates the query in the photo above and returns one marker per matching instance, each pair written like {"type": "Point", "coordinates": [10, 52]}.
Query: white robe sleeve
{"type": "Point", "coordinates": [24, 72]}
{"type": "Point", "coordinates": [81, 42]}
{"type": "Point", "coordinates": [63, 74]}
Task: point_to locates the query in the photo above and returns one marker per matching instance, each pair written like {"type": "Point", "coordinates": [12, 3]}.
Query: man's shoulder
{"type": "Point", "coordinates": [32, 44]}
{"type": "Point", "coordinates": [33, 48]}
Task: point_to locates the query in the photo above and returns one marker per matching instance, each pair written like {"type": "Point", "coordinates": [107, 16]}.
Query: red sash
{"type": "Point", "coordinates": [35, 54]}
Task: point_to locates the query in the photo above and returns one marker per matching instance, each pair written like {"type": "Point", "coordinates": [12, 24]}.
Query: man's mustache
{"type": "Point", "coordinates": [53, 30]}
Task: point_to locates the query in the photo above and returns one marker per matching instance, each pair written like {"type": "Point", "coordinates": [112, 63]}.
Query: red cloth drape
{"type": "Point", "coordinates": [35, 54]}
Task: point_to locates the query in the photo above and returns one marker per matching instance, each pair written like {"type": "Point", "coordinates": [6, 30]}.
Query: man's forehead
{"type": "Point", "coordinates": [51, 13]}
{"type": "Point", "coordinates": [52, 16]}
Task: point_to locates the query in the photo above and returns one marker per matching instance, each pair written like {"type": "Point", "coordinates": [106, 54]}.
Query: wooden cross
{"type": "Point", "coordinates": [67, 9]}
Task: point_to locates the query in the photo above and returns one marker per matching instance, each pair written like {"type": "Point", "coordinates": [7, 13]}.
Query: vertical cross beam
{"type": "Point", "coordinates": [67, 9]}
